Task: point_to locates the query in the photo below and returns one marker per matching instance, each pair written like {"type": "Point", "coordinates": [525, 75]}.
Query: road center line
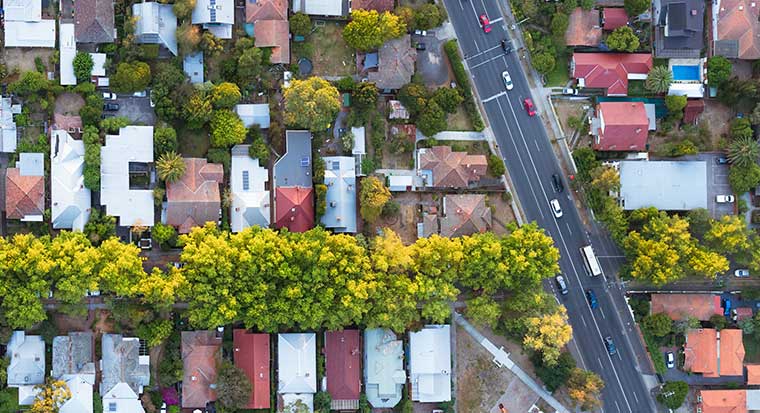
{"type": "Point", "coordinates": [488, 99]}
{"type": "Point", "coordinates": [568, 228]}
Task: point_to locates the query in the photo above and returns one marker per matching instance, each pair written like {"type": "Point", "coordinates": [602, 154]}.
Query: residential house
{"type": "Point", "coordinates": [728, 401]}
{"type": "Point", "coordinates": [738, 29]}
{"type": "Point", "coordinates": [714, 353]}
{"type": "Point", "coordinates": [27, 365]}
{"type": "Point", "coordinates": [216, 16]}
{"type": "Point", "coordinates": [340, 208]}
{"type": "Point", "coordinates": [683, 306]}
{"type": "Point", "coordinates": [94, 21]}
{"type": "Point", "coordinates": [201, 351]}
{"type": "Point", "coordinates": [192, 65]}
{"type": "Point", "coordinates": [125, 371]}
{"type": "Point", "coordinates": [270, 27]}
{"type": "Point", "coordinates": [620, 126]}
{"type": "Point", "coordinates": [195, 199]}
{"type": "Point", "coordinates": [71, 202]}
{"type": "Point", "coordinates": [343, 357]}
{"type": "Point", "coordinates": [694, 108]}
{"type": "Point", "coordinates": [67, 51]}
{"type": "Point", "coordinates": [430, 364]}
{"type": "Point", "coordinates": [610, 71]}
{"type": "Point", "coordinates": [156, 24]}
{"type": "Point", "coordinates": [127, 176]}
{"type": "Point", "coordinates": [665, 185]}
{"type": "Point", "coordinates": [384, 375]}
{"type": "Point", "coordinates": [69, 123]}
{"type": "Point", "coordinates": [8, 125]}
{"type": "Point", "coordinates": [25, 188]}
{"type": "Point", "coordinates": [461, 215]}
{"type": "Point", "coordinates": [443, 168]}
{"type": "Point", "coordinates": [249, 185]}
{"type": "Point", "coordinates": [24, 25]}
{"type": "Point", "coordinates": [359, 150]}
{"type": "Point", "coordinates": [753, 374]}
{"type": "Point", "coordinates": [74, 363]}
{"type": "Point", "coordinates": [614, 17]}
{"type": "Point", "coordinates": [377, 5]}
{"type": "Point", "coordinates": [251, 353]}
{"type": "Point", "coordinates": [254, 114]}
{"type": "Point", "coordinates": [583, 28]}
{"type": "Point", "coordinates": [396, 64]}
{"type": "Point", "coordinates": [680, 27]}
{"type": "Point", "coordinates": [294, 195]}
{"type": "Point", "coordinates": [297, 369]}
{"type": "Point", "coordinates": [327, 8]}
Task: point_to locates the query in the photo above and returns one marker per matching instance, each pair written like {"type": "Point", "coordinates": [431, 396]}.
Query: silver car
{"type": "Point", "coordinates": [741, 273]}
{"type": "Point", "coordinates": [507, 80]}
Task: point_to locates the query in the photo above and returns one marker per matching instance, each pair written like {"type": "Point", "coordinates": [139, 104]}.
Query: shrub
{"type": "Point", "coordinates": [495, 165]}
{"type": "Point", "coordinates": [83, 66]}
{"type": "Point", "coordinates": [463, 80]}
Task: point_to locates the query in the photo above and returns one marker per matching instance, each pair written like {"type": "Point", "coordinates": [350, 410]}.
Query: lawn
{"type": "Point", "coordinates": [459, 121]}
{"type": "Point", "coordinates": [559, 76]}
{"type": "Point", "coordinates": [751, 349]}
{"type": "Point", "coordinates": [193, 143]}
{"type": "Point", "coordinates": [329, 53]}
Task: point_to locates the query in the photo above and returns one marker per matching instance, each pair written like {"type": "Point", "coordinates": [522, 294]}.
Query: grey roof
{"type": "Point", "coordinates": [384, 373]}
{"type": "Point", "coordinates": [254, 113]}
{"type": "Point", "coordinates": [295, 167]}
{"type": "Point", "coordinates": [396, 67]}
{"type": "Point", "coordinates": [680, 26]}
{"type": "Point", "coordinates": [27, 354]}
{"type": "Point", "coordinates": [665, 185]}
{"type": "Point", "coordinates": [250, 199]}
{"type": "Point", "coordinates": [430, 363]}
{"type": "Point", "coordinates": [340, 178]}
{"type": "Point", "coordinates": [156, 23]}
{"type": "Point", "coordinates": [31, 164]}
{"type": "Point", "coordinates": [727, 48]}
{"type": "Point", "coordinates": [7, 126]}
{"type": "Point", "coordinates": [121, 363]}
{"type": "Point", "coordinates": [73, 354]}
{"type": "Point", "coordinates": [94, 21]}
{"type": "Point", "coordinates": [297, 363]}
{"type": "Point", "coordinates": [192, 64]}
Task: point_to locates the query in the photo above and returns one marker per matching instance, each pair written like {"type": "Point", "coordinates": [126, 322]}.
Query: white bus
{"type": "Point", "coordinates": [590, 262]}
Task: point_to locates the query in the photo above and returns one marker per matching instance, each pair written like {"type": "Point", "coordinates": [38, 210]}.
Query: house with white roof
{"type": "Point", "coordinates": [254, 114]}
{"type": "Point", "coordinates": [430, 364]}
{"type": "Point", "coordinates": [359, 149]}
{"type": "Point", "coordinates": [8, 136]}
{"type": "Point", "coordinates": [156, 24]}
{"type": "Point", "coordinates": [250, 194]}
{"type": "Point", "coordinates": [73, 362]}
{"type": "Point", "coordinates": [127, 176]}
{"type": "Point", "coordinates": [124, 373]}
{"type": "Point", "coordinates": [297, 368]}
{"type": "Point", "coordinates": [24, 25]}
{"type": "Point", "coordinates": [27, 365]}
{"type": "Point", "coordinates": [340, 208]}
{"type": "Point", "coordinates": [216, 16]}
{"type": "Point", "coordinates": [71, 201]}
{"type": "Point", "coordinates": [384, 375]}
{"type": "Point", "coordinates": [334, 8]}
{"type": "Point", "coordinates": [67, 48]}
{"type": "Point", "coordinates": [98, 64]}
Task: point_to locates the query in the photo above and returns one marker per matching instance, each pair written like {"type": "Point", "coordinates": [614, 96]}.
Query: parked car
{"type": "Point", "coordinates": [507, 80]}
{"type": "Point", "coordinates": [140, 94]}
{"type": "Point", "coordinates": [485, 23]}
{"type": "Point", "coordinates": [528, 103]}
{"type": "Point", "coordinates": [419, 46]}
{"type": "Point", "coordinates": [741, 273]}
{"type": "Point", "coordinates": [109, 96]}
{"type": "Point", "coordinates": [670, 359]}
{"type": "Point", "coordinates": [557, 183]}
{"type": "Point", "coordinates": [113, 107]}
{"type": "Point", "coordinates": [556, 209]}
{"type": "Point", "coordinates": [721, 160]}
{"type": "Point", "coordinates": [420, 32]}
{"type": "Point", "coordinates": [570, 91]}
{"type": "Point", "coordinates": [561, 284]}
{"type": "Point", "coordinates": [591, 297]}
{"type": "Point", "coordinates": [723, 199]}
{"type": "Point", "coordinates": [727, 307]}
{"type": "Point", "coordinates": [610, 345]}
{"type": "Point", "coordinates": [506, 46]}
{"type": "Point", "coordinates": [106, 115]}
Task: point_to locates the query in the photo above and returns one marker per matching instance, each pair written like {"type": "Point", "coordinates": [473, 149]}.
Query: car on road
{"type": "Point", "coordinates": [723, 199]}
{"type": "Point", "coordinates": [507, 80]}
{"type": "Point", "coordinates": [610, 345]}
{"type": "Point", "coordinates": [528, 103]}
{"type": "Point", "coordinates": [670, 359]}
{"type": "Point", "coordinates": [485, 23]}
{"type": "Point", "coordinates": [109, 96]}
{"type": "Point", "coordinates": [721, 160]}
{"type": "Point", "coordinates": [556, 209]}
{"type": "Point", "coordinates": [113, 107]}
{"type": "Point", "coordinates": [557, 183]}
{"type": "Point", "coordinates": [591, 297]}
{"type": "Point", "coordinates": [140, 94]}
{"type": "Point", "coordinates": [741, 273]}
{"type": "Point", "coordinates": [561, 284]}
{"type": "Point", "coordinates": [505, 45]}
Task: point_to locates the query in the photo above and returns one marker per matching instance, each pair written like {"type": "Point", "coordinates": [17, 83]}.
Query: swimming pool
{"type": "Point", "coordinates": [685, 72]}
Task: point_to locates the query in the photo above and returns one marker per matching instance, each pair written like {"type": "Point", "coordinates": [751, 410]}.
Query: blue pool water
{"type": "Point", "coordinates": [686, 73]}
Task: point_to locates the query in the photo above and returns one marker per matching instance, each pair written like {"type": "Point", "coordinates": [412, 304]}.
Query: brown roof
{"type": "Point", "coordinates": [379, 5]}
{"type": "Point", "coordinates": [743, 313]}
{"type": "Point", "coordinates": [452, 169]}
{"type": "Point", "coordinates": [583, 28]}
{"type": "Point", "coordinates": [94, 21]}
{"type": "Point", "coordinates": [680, 306]}
{"type": "Point", "coordinates": [266, 10]}
{"type": "Point", "coordinates": [195, 199]}
{"type": "Point", "coordinates": [24, 195]}
{"type": "Point", "coordinates": [731, 360]}
{"type": "Point", "coordinates": [465, 215]}
{"type": "Point", "coordinates": [701, 350]}
{"type": "Point", "coordinates": [395, 64]}
{"type": "Point", "coordinates": [694, 108]}
{"type": "Point", "coordinates": [723, 401]}
{"type": "Point", "coordinates": [274, 34]}
{"type": "Point", "coordinates": [294, 208]}
{"type": "Point", "coordinates": [343, 357]}
{"type": "Point", "coordinates": [67, 123]}
{"type": "Point", "coordinates": [738, 21]}
{"type": "Point", "coordinates": [753, 374]}
{"type": "Point", "coordinates": [200, 354]}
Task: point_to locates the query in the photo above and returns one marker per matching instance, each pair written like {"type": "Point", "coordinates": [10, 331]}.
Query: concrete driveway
{"type": "Point", "coordinates": [431, 63]}
{"type": "Point", "coordinates": [137, 109]}
{"type": "Point", "coordinates": [717, 184]}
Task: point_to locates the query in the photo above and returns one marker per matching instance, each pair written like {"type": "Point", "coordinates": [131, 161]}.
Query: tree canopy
{"type": "Point", "coordinates": [311, 104]}
{"type": "Point", "coordinates": [718, 70]}
{"type": "Point", "coordinates": [130, 77]}
{"type": "Point", "coordinates": [623, 39]}
{"type": "Point", "coordinates": [227, 129]}
{"type": "Point", "coordinates": [369, 29]}
{"type": "Point", "coordinates": [82, 66]}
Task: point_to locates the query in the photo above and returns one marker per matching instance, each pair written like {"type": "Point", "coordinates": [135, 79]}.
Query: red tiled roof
{"type": "Point", "coordinates": [701, 350]}
{"type": "Point", "coordinates": [680, 306]}
{"type": "Point", "coordinates": [614, 18]}
{"type": "Point", "coordinates": [251, 353]}
{"type": "Point", "coordinates": [623, 127]}
{"type": "Point", "coordinates": [294, 208]}
{"type": "Point", "coordinates": [195, 199]}
{"type": "Point", "coordinates": [24, 195]}
{"type": "Point", "coordinates": [743, 313]}
{"type": "Point", "coordinates": [723, 401]}
{"type": "Point", "coordinates": [753, 374]}
{"type": "Point", "coordinates": [694, 108]}
{"type": "Point", "coordinates": [583, 28]}
{"type": "Point", "coordinates": [379, 5]}
{"type": "Point", "coordinates": [200, 353]}
{"type": "Point", "coordinates": [67, 123]}
{"type": "Point", "coordinates": [731, 352]}
{"type": "Point", "coordinates": [343, 364]}
{"type": "Point", "coordinates": [452, 169]}
{"type": "Point", "coordinates": [465, 215]}
{"type": "Point", "coordinates": [274, 34]}
{"type": "Point", "coordinates": [738, 20]}
{"type": "Point", "coordinates": [610, 70]}
{"type": "Point", "coordinates": [266, 10]}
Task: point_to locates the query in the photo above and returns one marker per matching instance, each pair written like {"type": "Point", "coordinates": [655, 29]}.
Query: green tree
{"type": "Point", "coordinates": [623, 39]}
{"type": "Point", "coordinates": [183, 9]}
{"type": "Point", "coordinates": [658, 325]}
{"type": "Point", "coordinates": [447, 99]}
{"type": "Point", "coordinates": [414, 96]}
{"type": "Point", "coordinates": [170, 167]}
{"type": "Point", "coordinates": [155, 332]}
{"type": "Point", "coordinates": [29, 83]}
{"type": "Point", "coordinates": [559, 24]}
{"type": "Point", "coordinates": [743, 179]}
{"type": "Point", "coordinates": [483, 311]}
{"type": "Point", "coordinates": [250, 65]}
{"type": "Point", "coordinates": [197, 111]}
{"type": "Point", "coordinates": [543, 62]}
{"type": "Point", "coordinates": [675, 105]}
{"type": "Point", "coordinates": [300, 24]}
{"type": "Point", "coordinates": [548, 335]}
{"type": "Point", "coordinates": [112, 125]}
{"type": "Point", "coordinates": [164, 140]}
{"type": "Point", "coordinates": [170, 90]}
{"type": "Point", "coordinates": [740, 129]}
{"type": "Point", "coordinates": [311, 104]}
{"type": "Point", "coordinates": [718, 321]}
{"type": "Point", "coordinates": [659, 79]}
{"type": "Point", "coordinates": [211, 45]}
{"type": "Point", "coordinates": [555, 376]}
{"type": "Point", "coordinates": [432, 119]}
{"type": "Point", "coordinates": [673, 394]}
{"type": "Point", "coordinates": [233, 386]}
{"type": "Point", "coordinates": [636, 7]}
{"type": "Point", "coordinates": [99, 227]}
{"type": "Point", "coordinates": [585, 160]}
{"type": "Point", "coordinates": [585, 387]}
{"type": "Point", "coordinates": [83, 66]}
{"type": "Point", "coordinates": [163, 233]}
{"type": "Point", "coordinates": [496, 165]}
{"type": "Point", "coordinates": [365, 96]}
{"type": "Point", "coordinates": [130, 77]}
{"type": "Point", "coordinates": [369, 29]}
{"type": "Point", "coordinates": [718, 70]}
{"type": "Point", "coordinates": [258, 149]}
{"type": "Point", "coordinates": [322, 401]}
{"type": "Point", "coordinates": [587, 4]}
{"type": "Point", "coordinates": [728, 235]}
{"type": "Point", "coordinates": [374, 194]}
{"type": "Point", "coordinates": [428, 16]}
{"type": "Point", "coordinates": [227, 129]}
{"type": "Point", "coordinates": [225, 95]}
{"type": "Point", "coordinates": [686, 324]}
{"type": "Point", "coordinates": [406, 14]}
{"type": "Point", "coordinates": [188, 37]}
{"type": "Point", "coordinates": [91, 139]}
{"type": "Point", "coordinates": [754, 117]}
{"type": "Point", "coordinates": [699, 222]}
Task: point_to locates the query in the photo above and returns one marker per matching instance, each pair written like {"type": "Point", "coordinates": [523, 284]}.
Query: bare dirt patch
{"type": "Point", "coordinates": [566, 109]}
{"type": "Point", "coordinates": [23, 58]}
{"type": "Point", "coordinates": [717, 117]}
{"type": "Point", "coordinates": [501, 212]}
{"type": "Point", "coordinates": [68, 104]}
{"type": "Point", "coordinates": [405, 223]}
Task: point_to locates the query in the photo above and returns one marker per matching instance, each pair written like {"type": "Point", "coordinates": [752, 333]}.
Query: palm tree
{"type": "Point", "coordinates": [170, 167]}
{"type": "Point", "coordinates": [743, 152]}
{"type": "Point", "coordinates": [659, 79]}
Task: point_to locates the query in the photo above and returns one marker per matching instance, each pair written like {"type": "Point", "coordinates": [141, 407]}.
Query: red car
{"type": "Point", "coordinates": [528, 102]}
{"type": "Point", "coordinates": [485, 23]}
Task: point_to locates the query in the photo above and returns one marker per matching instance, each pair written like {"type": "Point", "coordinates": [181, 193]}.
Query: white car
{"type": "Point", "coordinates": [671, 360]}
{"type": "Point", "coordinates": [109, 96]}
{"type": "Point", "coordinates": [556, 209]}
{"type": "Point", "coordinates": [722, 199]}
{"type": "Point", "coordinates": [420, 32]}
{"type": "Point", "coordinates": [507, 80]}
{"type": "Point", "coordinates": [741, 273]}
{"type": "Point", "coordinates": [140, 94]}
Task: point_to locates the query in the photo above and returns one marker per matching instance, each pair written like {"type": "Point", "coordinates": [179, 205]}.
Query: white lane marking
{"type": "Point", "coordinates": [476, 45]}
{"type": "Point", "coordinates": [618, 406]}
{"type": "Point", "coordinates": [611, 256]}
{"type": "Point", "coordinates": [568, 228]}
{"type": "Point", "coordinates": [497, 20]}
{"type": "Point", "coordinates": [584, 321]}
{"type": "Point", "coordinates": [636, 397]}
{"type": "Point", "coordinates": [537, 148]}
{"type": "Point", "coordinates": [601, 365]}
{"type": "Point", "coordinates": [461, 5]}
{"type": "Point", "coordinates": [488, 99]}
{"type": "Point", "coordinates": [486, 62]}
{"type": "Point", "coordinates": [483, 52]}
{"type": "Point", "coordinates": [621, 359]}
{"type": "Point", "coordinates": [601, 310]}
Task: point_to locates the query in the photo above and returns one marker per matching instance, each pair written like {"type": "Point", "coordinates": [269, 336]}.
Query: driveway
{"type": "Point", "coordinates": [431, 63]}
{"type": "Point", "coordinates": [717, 184]}
{"type": "Point", "coordinates": [138, 110]}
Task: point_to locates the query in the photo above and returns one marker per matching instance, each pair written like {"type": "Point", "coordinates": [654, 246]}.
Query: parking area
{"type": "Point", "coordinates": [431, 63]}
{"type": "Point", "coordinates": [717, 183]}
{"type": "Point", "coordinates": [137, 109]}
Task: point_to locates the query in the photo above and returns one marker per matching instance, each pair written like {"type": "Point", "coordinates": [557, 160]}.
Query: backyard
{"type": "Point", "coordinates": [559, 76]}
{"type": "Point", "coordinates": [194, 143]}
{"type": "Point", "coordinates": [328, 52]}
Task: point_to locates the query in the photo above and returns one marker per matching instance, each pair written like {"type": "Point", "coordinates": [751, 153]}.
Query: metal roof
{"type": "Point", "coordinates": [665, 185]}
{"type": "Point", "coordinates": [340, 208]}
{"type": "Point", "coordinates": [430, 364]}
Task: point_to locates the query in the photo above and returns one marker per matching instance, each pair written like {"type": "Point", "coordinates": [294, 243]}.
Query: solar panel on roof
{"type": "Point", "coordinates": [245, 181]}
{"type": "Point", "coordinates": [212, 10]}
{"type": "Point", "coordinates": [335, 165]}
{"type": "Point", "coordinates": [305, 161]}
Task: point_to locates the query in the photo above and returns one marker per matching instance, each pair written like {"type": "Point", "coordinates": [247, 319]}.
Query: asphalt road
{"type": "Point", "coordinates": [529, 157]}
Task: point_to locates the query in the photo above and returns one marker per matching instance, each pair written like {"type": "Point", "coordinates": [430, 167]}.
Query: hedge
{"type": "Point", "coordinates": [452, 51]}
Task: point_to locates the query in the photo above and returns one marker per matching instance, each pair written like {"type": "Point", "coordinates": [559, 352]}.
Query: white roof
{"type": "Point", "coordinates": [252, 114]}
{"type": "Point", "coordinates": [67, 45]}
{"type": "Point", "coordinates": [340, 208]}
{"type": "Point", "coordinates": [31, 164]}
{"type": "Point", "coordinates": [384, 373]}
{"type": "Point", "coordinates": [133, 144]}
{"type": "Point", "coordinates": [297, 363]}
{"type": "Point", "coordinates": [71, 201]}
{"type": "Point", "coordinates": [27, 394]}
{"type": "Point", "coordinates": [22, 10]}
{"type": "Point", "coordinates": [30, 34]}
{"type": "Point", "coordinates": [430, 363]}
{"type": "Point", "coordinates": [665, 185]}
{"type": "Point", "coordinates": [360, 142]}
{"type": "Point", "coordinates": [217, 16]}
{"type": "Point", "coordinates": [156, 23]}
{"type": "Point", "coordinates": [690, 90]}
{"type": "Point", "coordinates": [27, 354]}
{"type": "Point", "coordinates": [81, 393]}
{"type": "Point", "coordinates": [98, 64]}
{"type": "Point", "coordinates": [400, 182]}
{"type": "Point", "coordinates": [7, 126]}
{"type": "Point", "coordinates": [250, 205]}
{"type": "Point", "coordinates": [319, 7]}
{"type": "Point", "coordinates": [122, 399]}
{"type": "Point", "coordinates": [753, 399]}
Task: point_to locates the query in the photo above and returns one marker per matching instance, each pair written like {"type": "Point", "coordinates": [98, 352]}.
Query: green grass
{"type": "Point", "coordinates": [330, 54]}
{"type": "Point", "coordinates": [9, 400]}
{"type": "Point", "coordinates": [751, 349]}
{"type": "Point", "coordinates": [193, 142]}
{"type": "Point", "coordinates": [636, 88]}
{"type": "Point", "coordinates": [459, 120]}
{"type": "Point", "coordinates": [559, 76]}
